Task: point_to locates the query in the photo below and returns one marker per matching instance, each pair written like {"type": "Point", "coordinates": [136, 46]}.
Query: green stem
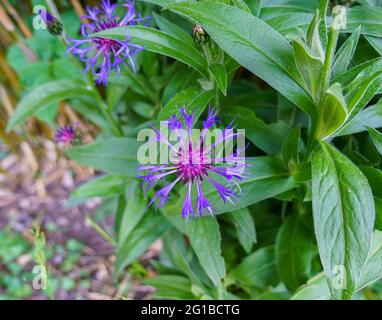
{"type": "Point", "coordinates": [207, 53]}
{"type": "Point", "coordinates": [325, 83]}
{"type": "Point", "coordinates": [100, 231]}
{"type": "Point", "coordinates": [104, 109]}
{"type": "Point", "coordinates": [331, 48]}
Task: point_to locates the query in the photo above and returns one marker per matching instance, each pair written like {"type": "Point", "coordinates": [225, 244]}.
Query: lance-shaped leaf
{"type": "Point", "coordinates": [171, 287]}
{"type": "Point", "coordinates": [376, 43]}
{"type": "Point", "coordinates": [345, 53]}
{"type": "Point", "coordinates": [245, 228]}
{"type": "Point", "coordinates": [258, 269]}
{"type": "Point", "coordinates": [374, 176]}
{"type": "Point", "coordinates": [267, 137]}
{"type": "Point", "coordinates": [360, 84]}
{"type": "Point", "coordinates": [376, 137]}
{"type": "Point", "coordinates": [291, 146]}
{"type": "Point", "coordinates": [315, 289]}
{"type": "Point", "coordinates": [205, 239]}
{"type": "Point", "coordinates": [368, 117]}
{"type": "Point", "coordinates": [294, 252]}
{"type": "Point", "coordinates": [160, 42]}
{"type": "Point", "coordinates": [253, 44]}
{"type": "Point", "coordinates": [333, 113]}
{"type": "Point", "coordinates": [343, 213]}
{"type": "Point", "coordinates": [147, 231]}
{"type": "Point", "coordinates": [358, 98]}
{"type": "Point", "coordinates": [369, 17]}
{"type": "Point", "coordinates": [219, 73]}
{"type": "Point", "coordinates": [192, 98]}
{"type": "Point", "coordinates": [173, 29]}
{"type": "Point", "coordinates": [105, 186]}
{"type": "Point", "coordinates": [133, 212]}
{"type": "Point", "coordinates": [362, 71]}
{"type": "Point", "coordinates": [309, 66]}
{"type": "Point", "coordinates": [46, 95]}
{"type": "Point", "coordinates": [372, 269]}
{"type": "Point", "coordinates": [115, 156]}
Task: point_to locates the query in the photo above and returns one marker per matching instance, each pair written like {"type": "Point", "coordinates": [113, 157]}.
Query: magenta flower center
{"type": "Point", "coordinates": [192, 164]}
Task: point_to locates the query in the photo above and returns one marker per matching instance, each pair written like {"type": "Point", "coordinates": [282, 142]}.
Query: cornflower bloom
{"type": "Point", "coordinates": [104, 56]}
{"type": "Point", "coordinates": [67, 135]}
{"type": "Point", "coordinates": [194, 161]}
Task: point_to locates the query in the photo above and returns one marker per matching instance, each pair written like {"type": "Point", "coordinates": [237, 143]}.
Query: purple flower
{"type": "Point", "coordinates": [104, 56]}
{"type": "Point", "coordinates": [195, 160]}
{"type": "Point", "coordinates": [66, 135]}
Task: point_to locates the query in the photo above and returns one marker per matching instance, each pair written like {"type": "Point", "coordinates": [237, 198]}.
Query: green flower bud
{"type": "Point", "coordinates": [199, 35]}
{"type": "Point", "coordinates": [54, 26]}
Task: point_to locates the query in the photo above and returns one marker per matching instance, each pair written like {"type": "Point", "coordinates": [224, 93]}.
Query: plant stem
{"type": "Point", "coordinates": [332, 43]}
{"type": "Point", "coordinates": [207, 53]}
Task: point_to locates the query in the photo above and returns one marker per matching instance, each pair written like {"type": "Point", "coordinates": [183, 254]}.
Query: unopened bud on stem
{"type": "Point", "coordinates": [199, 35]}
{"type": "Point", "coordinates": [54, 26]}
{"type": "Point", "coordinates": [339, 18]}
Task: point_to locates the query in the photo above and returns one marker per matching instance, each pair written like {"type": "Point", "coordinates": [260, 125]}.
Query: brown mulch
{"type": "Point", "coordinates": [28, 196]}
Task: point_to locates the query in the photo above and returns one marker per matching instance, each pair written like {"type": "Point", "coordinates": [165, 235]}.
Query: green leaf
{"type": "Point", "coordinates": [368, 117]}
{"type": "Point", "coordinates": [376, 43]}
{"type": "Point", "coordinates": [191, 98]}
{"type": "Point", "coordinates": [245, 228]}
{"type": "Point", "coordinates": [160, 42]}
{"type": "Point", "coordinates": [362, 83]}
{"type": "Point", "coordinates": [147, 231]}
{"type": "Point", "coordinates": [374, 176]}
{"type": "Point", "coordinates": [267, 137]}
{"type": "Point", "coordinates": [360, 72]}
{"type": "Point", "coordinates": [46, 95]}
{"type": "Point", "coordinates": [171, 287]}
{"type": "Point", "coordinates": [204, 235]}
{"type": "Point", "coordinates": [376, 137]}
{"type": "Point", "coordinates": [294, 250]}
{"type": "Point", "coordinates": [309, 66]}
{"type": "Point", "coordinates": [257, 270]}
{"type": "Point", "coordinates": [255, 6]}
{"type": "Point", "coordinates": [315, 289]}
{"type": "Point", "coordinates": [162, 3]}
{"type": "Point", "coordinates": [333, 113]}
{"type": "Point", "coordinates": [372, 269]}
{"type": "Point", "coordinates": [290, 23]}
{"type": "Point", "coordinates": [219, 73]}
{"type": "Point", "coordinates": [134, 210]}
{"type": "Point", "coordinates": [290, 148]}
{"type": "Point", "coordinates": [241, 35]}
{"type": "Point", "coordinates": [343, 212]}
{"type": "Point", "coordinates": [115, 156]}
{"type": "Point", "coordinates": [370, 18]}
{"type": "Point", "coordinates": [182, 79]}
{"type": "Point", "coordinates": [345, 53]}
{"type": "Point", "coordinates": [105, 186]}
{"type": "Point", "coordinates": [173, 29]}
{"type": "Point", "coordinates": [241, 5]}
{"type": "Point", "coordinates": [183, 257]}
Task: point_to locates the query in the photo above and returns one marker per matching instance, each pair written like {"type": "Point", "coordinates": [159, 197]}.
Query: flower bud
{"type": "Point", "coordinates": [339, 17]}
{"type": "Point", "coordinates": [54, 26]}
{"type": "Point", "coordinates": [199, 35]}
